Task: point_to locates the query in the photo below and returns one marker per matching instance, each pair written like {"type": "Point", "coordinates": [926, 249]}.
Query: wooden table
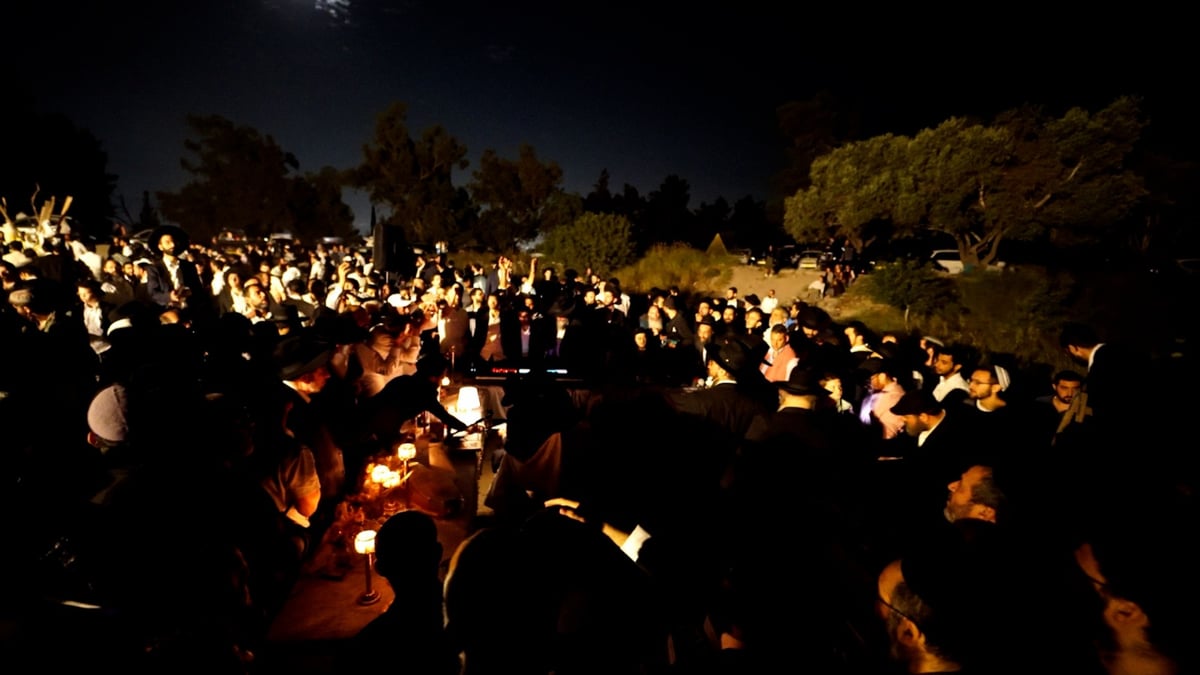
{"type": "Point", "coordinates": [322, 612]}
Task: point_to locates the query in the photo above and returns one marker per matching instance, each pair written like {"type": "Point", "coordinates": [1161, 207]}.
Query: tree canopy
{"type": "Point", "coordinates": [49, 155]}
{"type": "Point", "coordinates": [412, 177]}
{"type": "Point", "coordinates": [244, 179]}
{"type": "Point", "coordinates": [1027, 174]}
{"type": "Point", "coordinates": [519, 198]}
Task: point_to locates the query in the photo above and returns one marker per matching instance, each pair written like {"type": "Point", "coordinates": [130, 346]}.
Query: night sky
{"type": "Point", "coordinates": [645, 90]}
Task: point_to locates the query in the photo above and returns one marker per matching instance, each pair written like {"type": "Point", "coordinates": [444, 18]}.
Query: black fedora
{"type": "Point", "coordinates": [182, 240]}
{"type": "Point", "coordinates": [295, 356]}
{"type": "Point", "coordinates": [733, 355]}
{"type": "Point", "coordinates": [803, 382]}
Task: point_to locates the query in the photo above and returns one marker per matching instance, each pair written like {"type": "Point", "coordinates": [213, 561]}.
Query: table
{"type": "Point", "coordinates": [321, 611]}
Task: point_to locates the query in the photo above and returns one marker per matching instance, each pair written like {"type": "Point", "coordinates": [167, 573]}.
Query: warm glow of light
{"type": "Point", "coordinates": [406, 451]}
{"type": "Point", "coordinates": [364, 542]}
{"type": "Point", "coordinates": [445, 381]}
{"type": "Point", "coordinates": [380, 473]}
{"type": "Point", "coordinates": [468, 398]}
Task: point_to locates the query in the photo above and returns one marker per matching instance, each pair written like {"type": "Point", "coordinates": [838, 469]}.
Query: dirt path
{"type": "Point", "coordinates": [788, 285]}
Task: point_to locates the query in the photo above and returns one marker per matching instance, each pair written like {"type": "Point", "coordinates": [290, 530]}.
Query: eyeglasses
{"type": "Point", "coordinates": [892, 608]}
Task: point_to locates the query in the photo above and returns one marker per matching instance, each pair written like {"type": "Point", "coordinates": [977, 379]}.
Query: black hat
{"type": "Point", "coordinates": [752, 300]}
{"type": "Point", "coordinates": [813, 318]}
{"type": "Point", "coordinates": [733, 355]}
{"type": "Point", "coordinates": [297, 355]}
{"type": "Point", "coordinates": [564, 305]}
{"type": "Point", "coordinates": [182, 241]}
{"type": "Point", "coordinates": [915, 403]}
{"type": "Point", "coordinates": [803, 382]}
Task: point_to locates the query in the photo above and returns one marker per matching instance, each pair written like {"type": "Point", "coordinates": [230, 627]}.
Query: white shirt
{"type": "Point", "coordinates": [946, 385]}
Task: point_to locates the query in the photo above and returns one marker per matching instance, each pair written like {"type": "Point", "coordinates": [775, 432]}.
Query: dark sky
{"type": "Point", "coordinates": [645, 90]}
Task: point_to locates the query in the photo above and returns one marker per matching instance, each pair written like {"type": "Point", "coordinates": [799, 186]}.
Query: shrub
{"type": "Point", "coordinates": [602, 242]}
{"type": "Point", "coordinates": [914, 288]}
{"type": "Point", "coordinates": [679, 265]}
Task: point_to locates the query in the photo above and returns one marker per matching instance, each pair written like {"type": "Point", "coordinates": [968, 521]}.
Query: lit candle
{"type": "Point", "coordinates": [406, 451]}
{"type": "Point", "coordinates": [380, 473]}
{"type": "Point", "coordinates": [364, 542]}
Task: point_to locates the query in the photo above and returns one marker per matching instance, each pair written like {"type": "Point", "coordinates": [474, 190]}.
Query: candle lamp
{"type": "Point", "coordinates": [380, 473]}
{"type": "Point", "coordinates": [468, 399]}
{"type": "Point", "coordinates": [406, 452]}
{"type": "Point", "coordinates": [364, 543]}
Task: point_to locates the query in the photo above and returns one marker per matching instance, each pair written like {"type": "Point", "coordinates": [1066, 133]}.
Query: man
{"type": "Point", "coordinates": [975, 495]}
{"type": "Point", "coordinates": [1114, 375]}
{"type": "Point", "coordinates": [886, 391]}
{"type": "Point", "coordinates": [407, 554]}
{"type": "Point", "coordinates": [859, 338]}
{"type": "Point", "coordinates": [933, 601]}
{"type": "Point", "coordinates": [947, 364]}
{"type": "Point", "coordinates": [180, 272]}
{"type": "Point", "coordinates": [301, 362]}
{"type": "Point", "coordinates": [780, 358]}
{"type": "Point", "coordinates": [677, 331]}
{"type": "Point", "coordinates": [769, 302]}
{"type": "Point", "coordinates": [1059, 412]}
{"type": "Point", "coordinates": [259, 305]}
{"type": "Point", "coordinates": [755, 323]}
{"type": "Point", "coordinates": [1142, 567]}
{"type": "Point", "coordinates": [737, 393]}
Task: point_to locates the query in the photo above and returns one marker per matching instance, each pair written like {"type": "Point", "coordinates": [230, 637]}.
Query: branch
{"type": "Point", "coordinates": [1074, 171]}
{"type": "Point", "coordinates": [982, 200]}
{"type": "Point", "coordinates": [1070, 177]}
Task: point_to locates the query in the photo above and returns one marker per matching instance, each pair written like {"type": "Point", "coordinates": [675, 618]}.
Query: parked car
{"type": "Point", "coordinates": [810, 260]}
{"type": "Point", "coordinates": [950, 261]}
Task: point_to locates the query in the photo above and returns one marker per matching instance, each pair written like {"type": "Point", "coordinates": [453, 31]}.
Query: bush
{"type": "Point", "coordinates": [914, 288]}
{"type": "Point", "coordinates": [602, 242]}
{"type": "Point", "coordinates": [693, 271]}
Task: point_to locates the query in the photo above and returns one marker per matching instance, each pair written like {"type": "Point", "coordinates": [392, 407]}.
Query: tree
{"type": "Point", "coordinates": [749, 226]}
{"type": "Point", "coordinates": [412, 177]}
{"type": "Point", "coordinates": [50, 152]}
{"type": "Point", "coordinates": [667, 218]}
{"type": "Point", "coordinates": [813, 128]}
{"type": "Point", "coordinates": [241, 178]}
{"type": "Point", "coordinates": [1028, 174]}
{"type": "Point", "coordinates": [318, 208]}
{"type": "Point", "coordinates": [855, 193]}
{"type": "Point", "coordinates": [601, 241]}
{"type": "Point", "coordinates": [600, 199]}
{"type": "Point", "coordinates": [1023, 176]}
{"type": "Point", "coordinates": [517, 198]}
{"type": "Point", "coordinates": [148, 216]}
{"type": "Point", "coordinates": [711, 220]}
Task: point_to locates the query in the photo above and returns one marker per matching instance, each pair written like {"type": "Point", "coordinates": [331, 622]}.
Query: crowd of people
{"type": "Point", "coordinates": [690, 484]}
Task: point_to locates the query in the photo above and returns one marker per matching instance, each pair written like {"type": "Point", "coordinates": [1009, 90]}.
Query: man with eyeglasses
{"type": "Point", "coordinates": [921, 638]}
{"type": "Point", "coordinates": [1142, 567]}
{"type": "Point", "coordinates": [1000, 426]}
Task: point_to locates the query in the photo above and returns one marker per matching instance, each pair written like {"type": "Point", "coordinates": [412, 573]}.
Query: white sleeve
{"type": "Point", "coordinates": [633, 545]}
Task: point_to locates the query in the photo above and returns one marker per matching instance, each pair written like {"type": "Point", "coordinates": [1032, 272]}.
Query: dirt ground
{"type": "Point", "coordinates": [789, 284]}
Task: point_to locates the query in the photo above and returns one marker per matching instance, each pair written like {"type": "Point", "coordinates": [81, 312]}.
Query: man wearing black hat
{"type": "Point", "coordinates": [737, 392]}
{"type": "Point", "coordinates": [187, 291]}
{"type": "Point", "coordinates": [301, 362]}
